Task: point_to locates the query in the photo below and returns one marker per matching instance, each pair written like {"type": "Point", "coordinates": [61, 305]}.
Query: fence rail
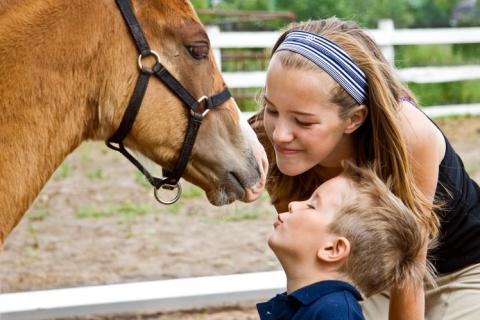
{"type": "Point", "coordinates": [145, 297]}
{"type": "Point", "coordinates": [386, 36]}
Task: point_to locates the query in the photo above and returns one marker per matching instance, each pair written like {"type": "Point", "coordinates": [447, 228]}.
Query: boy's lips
{"type": "Point", "coordinates": [285, 151]}
{"type": "Point", "coordinates": [278, 222]}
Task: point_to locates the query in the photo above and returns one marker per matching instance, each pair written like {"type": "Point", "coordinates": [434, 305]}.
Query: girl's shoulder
{"type": "Point", "coordinates": [425, 145]}
{"type": "Point", "coordinates": [419, 132]}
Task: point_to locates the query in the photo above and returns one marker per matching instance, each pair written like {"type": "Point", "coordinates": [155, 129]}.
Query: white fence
{"type": "Point", "coordinates": [143, 297]}
{"type": "Point", "coordinates": [387, 37]}
{"type": "Point", "coordinates": [231, 289]}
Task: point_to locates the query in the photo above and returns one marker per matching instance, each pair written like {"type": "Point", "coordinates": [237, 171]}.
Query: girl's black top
{"type": "Point", "coordinates": [459, 213]}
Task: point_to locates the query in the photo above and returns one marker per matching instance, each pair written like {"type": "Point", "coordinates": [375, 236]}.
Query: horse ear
{"type": "Point", "coordinates": [356, 118]}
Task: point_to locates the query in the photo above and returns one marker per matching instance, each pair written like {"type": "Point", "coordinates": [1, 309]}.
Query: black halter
{"type": "Point", "coordinates": [171, 178]}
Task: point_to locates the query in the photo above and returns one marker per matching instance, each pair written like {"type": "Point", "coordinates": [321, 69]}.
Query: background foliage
{"type": "Point", "coordinates": [404, 13]}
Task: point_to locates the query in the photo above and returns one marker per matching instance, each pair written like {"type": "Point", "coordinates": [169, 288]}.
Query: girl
{"type": "Point", "coordinates": [330, 95]}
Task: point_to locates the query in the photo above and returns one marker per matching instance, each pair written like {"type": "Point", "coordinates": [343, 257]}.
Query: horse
{"type": "Point", "coordinates": [69, 70]}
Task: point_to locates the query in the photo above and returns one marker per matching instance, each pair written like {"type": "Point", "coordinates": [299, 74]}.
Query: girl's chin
{"type": "Point", "coordinates": [290, 169]}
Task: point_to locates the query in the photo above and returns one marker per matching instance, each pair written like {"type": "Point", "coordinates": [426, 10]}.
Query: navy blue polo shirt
{"type": "Point", "coordinates": [324, 300]}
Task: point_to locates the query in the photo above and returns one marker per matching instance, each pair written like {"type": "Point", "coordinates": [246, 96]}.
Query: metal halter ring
{"type": "Point", "coordinates": [200, 101]}
{"type": "Point", "coordinates": [168, 187]}
{"type": "Point", "coordinates": [140, 61]}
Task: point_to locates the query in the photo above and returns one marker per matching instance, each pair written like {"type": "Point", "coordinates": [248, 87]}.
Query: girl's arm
{"type": "Point", "coordinates": [426, 147]}
{"type": "Point", "coordinates": [408, 302]}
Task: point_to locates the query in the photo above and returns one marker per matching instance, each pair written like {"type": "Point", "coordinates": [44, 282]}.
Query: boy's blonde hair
{"type": "Point", "coordinates": [385, 238]}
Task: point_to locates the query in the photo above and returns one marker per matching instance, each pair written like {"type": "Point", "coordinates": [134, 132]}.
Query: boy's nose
{"type": "Point", "coordinates": [294, 205]}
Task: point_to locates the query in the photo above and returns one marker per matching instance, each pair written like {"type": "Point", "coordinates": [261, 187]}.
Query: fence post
{"type": "Point", "coordinates": [214, 33]}
{"type": "Point", "coordinates": [387, 27]}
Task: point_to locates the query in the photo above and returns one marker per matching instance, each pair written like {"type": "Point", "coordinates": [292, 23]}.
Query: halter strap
{"type": "Point", "coordinates": [171, 177]}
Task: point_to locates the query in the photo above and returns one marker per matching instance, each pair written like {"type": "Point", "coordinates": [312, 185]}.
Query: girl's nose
{"type": "Point", "coordinates": [282, 132]}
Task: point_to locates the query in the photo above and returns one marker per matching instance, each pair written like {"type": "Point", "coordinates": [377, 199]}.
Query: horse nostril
{"type": "Point", "coordinates": [234, 176]}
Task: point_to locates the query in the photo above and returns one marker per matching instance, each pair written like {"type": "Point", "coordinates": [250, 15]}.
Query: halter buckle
{"type": "Point", "coordinates": [200, 100]}
{"type": "Point", "coordinates": [143, 56]}
{"type": "Point", "coordinates": [169, 187]}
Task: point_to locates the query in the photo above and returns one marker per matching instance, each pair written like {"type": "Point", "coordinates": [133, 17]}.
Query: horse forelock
{"type": "Point", "coordinates": [175, 11]}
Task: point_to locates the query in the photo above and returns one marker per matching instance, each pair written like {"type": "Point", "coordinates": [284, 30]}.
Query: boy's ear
{"type": "Point", "coordinates": [356, 119]}
{"type": "Point", "coordinates": [334, 251]}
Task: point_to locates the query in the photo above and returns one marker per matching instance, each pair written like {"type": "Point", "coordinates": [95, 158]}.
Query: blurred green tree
{"type": "Point", "coordinates": [404, 13]}
{"type": "Point", "coordinates": [256, 5]}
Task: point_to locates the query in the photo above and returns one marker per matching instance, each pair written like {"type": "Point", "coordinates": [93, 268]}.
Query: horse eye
{"type": "Point", "coordinates": [198, 51]}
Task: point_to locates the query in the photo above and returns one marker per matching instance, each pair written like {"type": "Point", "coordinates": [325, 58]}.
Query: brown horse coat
{"type": "Point", "coordinates": [68, 69]}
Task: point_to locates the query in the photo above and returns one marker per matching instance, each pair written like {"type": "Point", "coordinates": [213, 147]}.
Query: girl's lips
{"type": "Point", "coordinates": [286, 151]}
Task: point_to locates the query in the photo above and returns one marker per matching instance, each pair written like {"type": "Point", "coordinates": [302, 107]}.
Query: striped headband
{"type": "Point", "coordinates": [331, 58]}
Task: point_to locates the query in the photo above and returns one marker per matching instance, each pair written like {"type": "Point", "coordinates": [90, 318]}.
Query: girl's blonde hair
{"type": "Point", "coordinates": [379, 137]}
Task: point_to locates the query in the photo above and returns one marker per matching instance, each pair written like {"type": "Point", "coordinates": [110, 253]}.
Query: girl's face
{"type": "Point", "coordinates": [302, 124]}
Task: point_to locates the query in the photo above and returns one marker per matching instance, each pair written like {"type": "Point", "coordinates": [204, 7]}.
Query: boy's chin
{"type": "Point", "coordinates": [279, 248]}
{"type": "Point", "coordinates": [271, 242]}
{"type": "Point", "coordinates": [274, 245]}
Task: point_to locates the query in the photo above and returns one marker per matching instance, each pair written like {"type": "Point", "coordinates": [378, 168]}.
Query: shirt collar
{"type": "Point", "coordinates": [315, 291]}
{"type": "Point", "coordinates": [284, 306]}
{"type": "Point", "coordinates": [280, 307]}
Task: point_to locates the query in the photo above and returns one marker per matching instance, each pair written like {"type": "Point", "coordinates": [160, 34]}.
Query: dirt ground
{"type": "Point", "coordinates": [96, 222]}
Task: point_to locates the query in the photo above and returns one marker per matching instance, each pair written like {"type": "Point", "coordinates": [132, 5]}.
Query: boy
{"type": "Point", "coordinates": [352, 234]}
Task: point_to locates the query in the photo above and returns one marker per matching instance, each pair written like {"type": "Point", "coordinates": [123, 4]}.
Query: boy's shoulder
{"type": "Point", "coordinates": [330, 300]}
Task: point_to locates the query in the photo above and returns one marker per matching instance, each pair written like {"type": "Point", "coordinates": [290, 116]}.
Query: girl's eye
{"type": "Point", "coordinates": [271, 111]}
{"type": "Point", "coordinates": [198, 51]}
{"type": "Point", "coordinates": [310, 206]}
{"type": "Point", "coordinates": [303, 124]}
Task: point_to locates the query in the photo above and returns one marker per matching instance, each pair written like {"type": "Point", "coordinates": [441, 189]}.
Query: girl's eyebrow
{"type": "Point", "coordinates": [268, 101]}
{"type": "Point", "coordinates": [301, 113]}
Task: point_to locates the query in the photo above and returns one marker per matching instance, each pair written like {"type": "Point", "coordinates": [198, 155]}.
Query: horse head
{"type": "Point", "coordinates": [227, 161]}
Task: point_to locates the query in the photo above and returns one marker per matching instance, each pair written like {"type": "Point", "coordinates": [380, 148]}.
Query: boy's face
{"type": "Point", "coordinates": [304, 230]}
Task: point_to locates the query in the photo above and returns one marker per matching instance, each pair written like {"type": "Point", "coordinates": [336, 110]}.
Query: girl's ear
{"type": "Point", "coordinates": [356, 119]}
{"type": "Point", "coordinates": [336, 250]}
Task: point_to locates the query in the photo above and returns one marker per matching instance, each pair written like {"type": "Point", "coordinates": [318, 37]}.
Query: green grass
{"type": "Point", "coordinates": [174, 208]}
{"type": "Point", "coordinates": [242, 216]}
{"type": "Point", "coordinates": [33, 231]}
{"type": "Point", "coordinates": [97, 174]}
{"type": "Point", "coordinates": [39, 211]}
{"type": "Point", "coordinates": [141, 180]}
{"type": "Point", "coordinates": [38, 214]}
{"type": "Point", "coordinates": [192, 192]}
{"type": "Point", "coordinates": [64, 171]}
{"type": "Point", "coordinates": [127, 210]}
{"type": "Point", "coordinates": [437, 55]}
{"type": "Point", "coordinates": [265, 196]}
{"type": "Point", "coordinates": [457, 92]}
